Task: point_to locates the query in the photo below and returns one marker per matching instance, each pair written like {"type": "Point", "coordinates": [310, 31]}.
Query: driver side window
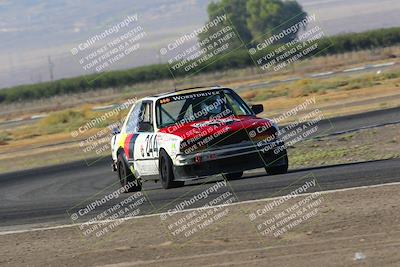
{"type": "Point", "coordinates": [141, 118]}
{"type": "Point", "coordinates": [145, 120]}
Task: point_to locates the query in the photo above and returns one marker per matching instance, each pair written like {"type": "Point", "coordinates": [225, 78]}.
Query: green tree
{"type": "Point", "coordinates": [254, 18]}
{"type": "Point", "coordinates": [271, 16]}
{"type": "Point", "coordinates": [236, 15]}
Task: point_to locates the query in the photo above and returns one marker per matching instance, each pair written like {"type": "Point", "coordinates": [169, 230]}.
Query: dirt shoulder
{"type": "Point", "coordinates": [352, 227]}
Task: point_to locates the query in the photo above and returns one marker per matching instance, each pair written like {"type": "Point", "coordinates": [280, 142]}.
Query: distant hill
{"type": "Point", "coordinates": [32, 30]}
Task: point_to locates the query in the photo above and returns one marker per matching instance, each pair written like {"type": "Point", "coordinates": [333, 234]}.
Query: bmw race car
{"type": "Point", "coordinates": [191, 134]}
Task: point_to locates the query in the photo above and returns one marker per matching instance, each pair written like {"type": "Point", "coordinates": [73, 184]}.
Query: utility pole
{"type": "Point", "coordinates": [51, 68]}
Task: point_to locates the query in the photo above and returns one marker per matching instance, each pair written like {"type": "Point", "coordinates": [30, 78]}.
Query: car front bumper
{"type": "Point", "coordinates": [229, 159]}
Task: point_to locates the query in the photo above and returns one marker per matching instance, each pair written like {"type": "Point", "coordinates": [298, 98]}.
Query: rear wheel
{"type": "Point", "coordinates": [233, 175]}
{"type": "Point", "coordinates": [166, 172]}
{"type": "Point", "coordinates": [126, 177]}
{"type": "Point", "coordinates": [280, 169]}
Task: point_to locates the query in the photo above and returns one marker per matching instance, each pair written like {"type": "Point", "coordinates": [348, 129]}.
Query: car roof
{"type": "Point", "coordinates": [183, 91]}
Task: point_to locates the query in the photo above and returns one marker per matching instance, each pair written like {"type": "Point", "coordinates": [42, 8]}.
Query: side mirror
{"type": "Point", "coordinates": [257, 109]}
{"type": "Point", "coordinates": [115, 131]}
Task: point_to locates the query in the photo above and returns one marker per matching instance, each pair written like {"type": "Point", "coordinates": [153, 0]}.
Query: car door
{"type": "Point", "coordinates": [126, 139]}
{"type": "Point", "coordinates": [146, 151]}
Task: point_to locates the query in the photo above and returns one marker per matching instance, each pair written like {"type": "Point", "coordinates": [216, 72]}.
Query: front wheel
{"type": "Point", "coordinates": [166, 172]}
{"type": "Point", "coordinates": [126, 177]}
{"type": "Point", "coordinates": [280, 169]}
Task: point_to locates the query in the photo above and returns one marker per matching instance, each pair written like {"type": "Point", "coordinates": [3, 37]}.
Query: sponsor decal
{"type": "Point", "coordinates": [219, 122]}
{"type": "Point", "coordinates": [129, 145]}
{"type": "Point", "coordinates": [165, 100]}
{"type": "Point", "coordinates": [194, 95]}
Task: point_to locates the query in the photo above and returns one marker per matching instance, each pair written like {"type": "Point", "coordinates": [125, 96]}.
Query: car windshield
{"type": "Point", "coordinates": [184, 108]}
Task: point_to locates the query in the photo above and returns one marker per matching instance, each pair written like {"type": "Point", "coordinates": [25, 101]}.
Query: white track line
{"type": "Point", "coordinates": [388, 64]}
{"type": "Point", "coordinates": [356, 69]}
{"type": "Point", "coordinates": [314, 75]}
{"type": "Point", "coordinates": [188, 210]}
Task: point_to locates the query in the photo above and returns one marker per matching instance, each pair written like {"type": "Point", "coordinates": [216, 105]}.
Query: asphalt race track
{"type": "Point", "coordinates": [45, 195]}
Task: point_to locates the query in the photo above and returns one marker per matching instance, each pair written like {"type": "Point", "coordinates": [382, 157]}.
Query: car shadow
{"type": "Point", "coordinates": [290, 171]}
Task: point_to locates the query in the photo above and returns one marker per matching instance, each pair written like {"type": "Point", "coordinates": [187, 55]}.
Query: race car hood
{"type": "Point", "coordinates": [219, 132]}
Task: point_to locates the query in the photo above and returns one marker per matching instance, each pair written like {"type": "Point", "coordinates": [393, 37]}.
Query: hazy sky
{"type": "Point", "coordinates": [33, 30]}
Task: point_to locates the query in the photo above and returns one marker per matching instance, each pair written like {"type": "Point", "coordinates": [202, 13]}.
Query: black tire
{"type": "Point", "coordinates": [126, 176]}
{"type": "Point", "coordinates": [166, 172]}
{"type": "Point", "coordinates": [281, 169]}
{"type": "Point", "coordinates": [233, 175]}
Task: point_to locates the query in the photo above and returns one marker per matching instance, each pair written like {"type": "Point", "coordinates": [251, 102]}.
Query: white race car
{"type": "Point", "coordinates": [191, 134]}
